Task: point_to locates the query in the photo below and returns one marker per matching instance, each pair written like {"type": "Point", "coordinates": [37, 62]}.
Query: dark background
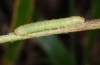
{"type": "Point", "coordinates": [32, 53]}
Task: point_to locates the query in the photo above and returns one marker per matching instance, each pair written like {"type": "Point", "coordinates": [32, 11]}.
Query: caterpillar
{"type": "Point", "coordinates": [48, 25]}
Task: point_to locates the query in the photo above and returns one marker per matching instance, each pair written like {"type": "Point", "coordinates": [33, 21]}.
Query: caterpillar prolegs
{"type": "Point", "coordinates": [49, 25]}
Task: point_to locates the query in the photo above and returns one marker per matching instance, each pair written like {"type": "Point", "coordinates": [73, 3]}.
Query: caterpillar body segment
{"type": "Point", "coordinates": [48, 25]}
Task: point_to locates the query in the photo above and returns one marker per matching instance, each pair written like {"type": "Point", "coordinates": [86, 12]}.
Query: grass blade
{"type": "Point", "coordinates": [22, 15]}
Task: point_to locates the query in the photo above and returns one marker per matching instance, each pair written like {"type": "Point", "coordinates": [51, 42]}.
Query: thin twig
{"type": "Point", "coordinates": [88, 25]}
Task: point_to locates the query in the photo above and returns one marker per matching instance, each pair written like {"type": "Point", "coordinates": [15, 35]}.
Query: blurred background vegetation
{"type": "Point", "coordinates": [80, 48]}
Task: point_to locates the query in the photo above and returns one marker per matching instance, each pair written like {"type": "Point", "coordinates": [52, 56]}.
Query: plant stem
{"type": "Point", "coordinates": [88, 25]}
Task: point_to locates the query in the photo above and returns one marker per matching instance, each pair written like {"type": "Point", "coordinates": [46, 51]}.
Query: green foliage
{"type": "Point", "coordinates": [22, 14]}
{"type": "Point", "coordinates": [52, 46]}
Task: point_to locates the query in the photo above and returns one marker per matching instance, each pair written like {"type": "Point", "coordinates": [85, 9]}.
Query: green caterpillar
{"type": "Point", "coordinates": [49, 25]}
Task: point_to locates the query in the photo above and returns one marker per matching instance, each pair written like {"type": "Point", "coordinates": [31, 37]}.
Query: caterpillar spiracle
{"type": "Point", "coordinates": [48, 25]}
